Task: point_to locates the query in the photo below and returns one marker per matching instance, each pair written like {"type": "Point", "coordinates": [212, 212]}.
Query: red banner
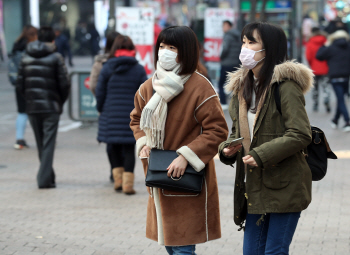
{"type": "Point", "coordinates": [144, 54]}
{"type": "Point", "coordinates": [212, 49]}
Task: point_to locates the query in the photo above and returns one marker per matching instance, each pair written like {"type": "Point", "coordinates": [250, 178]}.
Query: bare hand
{"type": "Point", "coordinates": [177, 167]}
{"type": "Point", "coordinates": [144, 152]}
{"type": "Point", "coordinates": [230, 151]}
{"type": "Point", "coordinates": [249, 160]}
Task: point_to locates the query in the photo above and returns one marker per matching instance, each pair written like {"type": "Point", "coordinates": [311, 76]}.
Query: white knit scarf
{"type": "Point", "coordinates": [167, 85]}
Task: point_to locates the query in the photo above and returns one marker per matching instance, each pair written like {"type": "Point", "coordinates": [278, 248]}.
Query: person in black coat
{"type": "Point", "coordinates": [29, 34]}
{"type": "Point", "coordinates": [117, 84]}
{"type": "Point", "coordinates": [336, 52]}
{"type": "Point", "coordinates": [43, 80]}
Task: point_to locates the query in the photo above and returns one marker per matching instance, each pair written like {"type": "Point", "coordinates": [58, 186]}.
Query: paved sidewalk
{"type": "Point", "coordinates": [84, 215]}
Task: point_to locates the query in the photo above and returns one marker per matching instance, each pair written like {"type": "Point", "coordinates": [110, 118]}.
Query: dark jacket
{"type": "Point", "coordinates": [282, 181]}
{"type": "Point", "coordinates": [63, 47]}
{"type": "Point", "coordinates": [231, 48]}
{"type": "Point", "coordinates": [42, 79]}
{"type": "Point", "coordinates": [337, 54]}
{"type": "Point", "coordinates": [117, 84]}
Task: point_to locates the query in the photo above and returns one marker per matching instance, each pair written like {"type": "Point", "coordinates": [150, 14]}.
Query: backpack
{"type": "Point", "coordinates": [13, 65]}
{"type": "Point", "coordinates": [318, 151]}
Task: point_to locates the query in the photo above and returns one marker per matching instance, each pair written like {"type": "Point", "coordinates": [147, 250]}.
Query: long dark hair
{"type": "Point", "coordinates": [274, 42]}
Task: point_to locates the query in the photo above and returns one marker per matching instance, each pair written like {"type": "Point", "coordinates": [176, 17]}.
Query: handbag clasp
{"type": "Point", "coordinates": [175, 179]}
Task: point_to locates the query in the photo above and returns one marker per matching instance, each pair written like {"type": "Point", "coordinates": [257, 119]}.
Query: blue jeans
{"type": "Point", "coordinates": [21, 123]}
{"type": "Point", "coordinates": [340, 89]}
{"type": "Point", "coordinates": [272, 236]}
{"type": "Point", "coordinates": [181, 250]}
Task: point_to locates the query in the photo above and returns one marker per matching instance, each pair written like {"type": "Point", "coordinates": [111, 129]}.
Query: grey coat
{"type": "Point", "coordinates": [231, 48]}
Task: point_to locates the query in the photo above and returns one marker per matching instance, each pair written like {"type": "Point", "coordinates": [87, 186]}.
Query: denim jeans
{"type": "Point", "coordinates": [181, 250]}
{"type": "Point", "coordinates": [340, 89]}
{"type": "Point", "coordinates": [272, 236]}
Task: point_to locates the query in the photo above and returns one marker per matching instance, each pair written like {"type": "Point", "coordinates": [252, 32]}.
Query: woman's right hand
{"type": "Point", "coordinates": [230, 151]}
{"type": "Point", "coordinates": [144, 152]}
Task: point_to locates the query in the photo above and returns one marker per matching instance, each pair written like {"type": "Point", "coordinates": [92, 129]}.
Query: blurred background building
{"type": "Point", "coordinates": [79, 20]}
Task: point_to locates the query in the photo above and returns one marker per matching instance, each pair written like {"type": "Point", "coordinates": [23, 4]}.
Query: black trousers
{"type": "Point", "coordinates": [45, 127]}
{"type": "Point", "coordinates": [123, 155]}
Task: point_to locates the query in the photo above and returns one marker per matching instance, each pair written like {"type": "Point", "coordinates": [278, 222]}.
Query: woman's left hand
{"type": "Point", "coordinates": [249, 160]}
{"type": "Point", "coordinates": [177, 167]}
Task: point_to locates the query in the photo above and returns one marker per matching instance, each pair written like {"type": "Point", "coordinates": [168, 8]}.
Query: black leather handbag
{"type": "Point", "coordinates": [156, 177]}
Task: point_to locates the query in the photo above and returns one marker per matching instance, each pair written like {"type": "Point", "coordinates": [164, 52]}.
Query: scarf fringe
{"type": "Point", "coordinates": [153, 124]}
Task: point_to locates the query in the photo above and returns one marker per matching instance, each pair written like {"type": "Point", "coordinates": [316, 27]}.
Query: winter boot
{"type": "Point", "coordinates": [128, 183]}
{"type": "Point", "coordinates": [117, 176]}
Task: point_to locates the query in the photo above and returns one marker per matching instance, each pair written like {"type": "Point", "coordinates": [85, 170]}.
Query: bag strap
{"type": "Point", "coordinates": [278, 97]}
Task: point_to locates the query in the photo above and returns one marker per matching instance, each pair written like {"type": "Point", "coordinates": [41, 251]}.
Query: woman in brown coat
{"type": "Point", "coordinates": [190, 121]}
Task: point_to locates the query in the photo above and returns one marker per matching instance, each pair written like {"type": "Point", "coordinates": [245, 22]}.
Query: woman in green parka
{"type": "Point", "coordinates": [273, 179]}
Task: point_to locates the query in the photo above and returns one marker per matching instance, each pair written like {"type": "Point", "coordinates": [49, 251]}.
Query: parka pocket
{"type": "Point", "coordinates": [276, 177]}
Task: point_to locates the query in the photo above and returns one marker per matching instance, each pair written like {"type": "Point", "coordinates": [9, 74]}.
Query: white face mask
{"type": "Point", "coordinates": [247, 58]}
{"type": "Point", "coordinates": [167, 59]}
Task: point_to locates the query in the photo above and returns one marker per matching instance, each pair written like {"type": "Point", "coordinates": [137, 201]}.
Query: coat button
{"type": "Point", "coordinates": [246, 195]}
{"type": "Point", "coordinates": [237, 217]}
{"type": "Point", "coordinates": [251, 170]}
{"type": "Point", "coordinates": [250, 204]}
{"type": "Point", "coordinates": [234, 118]}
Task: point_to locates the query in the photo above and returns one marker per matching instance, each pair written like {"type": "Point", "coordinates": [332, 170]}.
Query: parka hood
{"type": "Point", "coordinates": [289, 70]}
{"type": "Point", "coordinates": [340, 34]}
{"type": "Point", "coordinates": [39, 49]}
{"type": "Point", "coordinates": [121, 64]}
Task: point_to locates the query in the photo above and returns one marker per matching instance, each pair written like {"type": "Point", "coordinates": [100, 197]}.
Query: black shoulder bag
{"type": "Point", "coordinates": [157, 177]}
{"type": "Point", "coordinates": [318, 151]}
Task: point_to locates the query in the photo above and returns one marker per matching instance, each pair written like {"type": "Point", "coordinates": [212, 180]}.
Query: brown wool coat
{"type": "Point", "coordinates": [186, 219]}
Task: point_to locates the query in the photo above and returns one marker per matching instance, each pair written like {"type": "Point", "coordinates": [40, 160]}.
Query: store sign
{"type": "Point", "coordinates": [213, 33]}
{"type": "Point", "coordinates": [87, 101]}
{"type": "Point", "coordinates": [138, 24]}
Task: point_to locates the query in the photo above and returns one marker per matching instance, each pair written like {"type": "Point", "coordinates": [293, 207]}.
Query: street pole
{"type": "Point", "coordinates": [111, 17]}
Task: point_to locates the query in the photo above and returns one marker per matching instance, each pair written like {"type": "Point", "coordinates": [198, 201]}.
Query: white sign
{"type": "Point", "coordinates": [213, 33]}
{"type": "Point", "coordinates": [138, 23]}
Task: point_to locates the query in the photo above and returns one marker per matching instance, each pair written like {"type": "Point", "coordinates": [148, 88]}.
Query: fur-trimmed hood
{"type": "Point", "coordinates": [289, 70]}
{"type": "Point", "coordinates": [340, 34]}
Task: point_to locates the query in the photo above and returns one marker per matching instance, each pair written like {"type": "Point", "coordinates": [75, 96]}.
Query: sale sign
{"type": "Point", "coordinates": [213, 33]}
{"type": "Point", "coordinates": [138, 24]}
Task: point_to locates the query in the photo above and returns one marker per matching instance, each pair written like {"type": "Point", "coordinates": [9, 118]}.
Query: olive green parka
{"type": "Point", "coordinates": [282, 181]}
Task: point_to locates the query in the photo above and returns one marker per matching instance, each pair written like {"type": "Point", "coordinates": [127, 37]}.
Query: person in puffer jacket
{"type": "Point", "coordinates": [336, 52]}
{"type": "Point", "coordinates": [43, 80]}
{"type": "Point", "coordinates": [120, 78]}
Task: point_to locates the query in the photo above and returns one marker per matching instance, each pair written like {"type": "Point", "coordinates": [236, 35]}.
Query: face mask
{"type": "Point", "coordinates": [167, 59]}
{"type": "Point", "coordinates": [247, 58]}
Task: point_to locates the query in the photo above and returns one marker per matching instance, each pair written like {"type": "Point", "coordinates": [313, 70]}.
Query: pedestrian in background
{"type": "Point", "coordinates": [320, 68]}
{"type": "Point", "coordinates": [62, 45]}
{"type": "Point", "coordinates": [117, 84]}
{"type": "Point", "coordinates": [29, 34]}
{"type": "Point", "coordinates": [101, 59]}
{"type": "Point", "coordinates": [336, 52]}
{"type": "Point", "coordinates": [190, 120]}
{"type": "Point", "coordinates": [273, 179]}
{"type": "Point", "coordinates": [229, 57]}
{"type": "Point", "coordinates": [95, 72]}
{"type": "Point", "coordinates": [43, 80]}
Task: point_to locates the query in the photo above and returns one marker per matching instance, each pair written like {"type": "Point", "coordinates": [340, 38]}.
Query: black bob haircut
{"type": "Point", "coordinates": [274, 41]}
{"type": "Point", "coordinates": [46, 34]}
{"type": "Point", "coordinates": [185, 40]}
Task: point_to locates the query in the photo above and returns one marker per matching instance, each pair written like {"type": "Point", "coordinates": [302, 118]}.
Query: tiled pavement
{"type": "Point", "coordinates": [84, 215]}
